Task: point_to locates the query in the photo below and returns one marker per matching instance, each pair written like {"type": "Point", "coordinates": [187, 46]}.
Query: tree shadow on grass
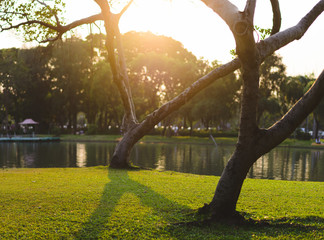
{"type": "Point", "coordinates": [305, 224]}
{"type": "Point", "coordinates": [120, 184]}
{"type": "Point", "coordinates": [113, 215]}
{"type": "Point", "coordinates": [310, 227]}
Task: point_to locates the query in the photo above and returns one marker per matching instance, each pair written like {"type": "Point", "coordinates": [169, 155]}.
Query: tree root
{"type": "Point", "coordinates": [208, 218]}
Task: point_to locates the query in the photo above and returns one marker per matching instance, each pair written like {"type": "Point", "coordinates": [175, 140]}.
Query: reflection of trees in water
{"type": "Point", "coordinates": [281, 163]}
{"type": "Point", "coordinates": [316, 166]}
{"type": "Point", "coordinates": [9, 155]}
{"type": "Point", "coordinates": [288, 164]}
{"type": "Point", "coordinates": [190, 158]}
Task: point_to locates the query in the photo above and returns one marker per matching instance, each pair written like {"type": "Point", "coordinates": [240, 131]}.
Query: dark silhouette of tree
{"type": "Point", "coordinates": [25, 81]}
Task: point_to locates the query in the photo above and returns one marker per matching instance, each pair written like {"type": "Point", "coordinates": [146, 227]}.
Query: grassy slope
{"type": "Point", "coordinates": [92, 203]}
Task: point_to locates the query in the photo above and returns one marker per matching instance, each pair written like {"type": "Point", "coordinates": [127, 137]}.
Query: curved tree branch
{"type": "Point", "coordinates": [281, 39]}
{"type": "Point", "coordinates": [59, 28]}
{"type": "Point", "coordinates": [82, 21]}
{"type": "Point", "coordinates": [117, 64]}
{"type": "Point", "coordinates": [30, 23]}
{"type": "Point", "coordinates": [294, 117]}
{"type": "Point", "coordinates": [266, 48]}
{"type": "Point", "coordinates": [225, 9]}
{"type": "Point", "coordinates": [276, 17]}
{"type": "Point", "coordinates": [125, 8]}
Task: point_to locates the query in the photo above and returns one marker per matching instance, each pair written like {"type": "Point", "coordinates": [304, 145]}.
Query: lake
{"type": "Point", "coordinates": [282, 163]}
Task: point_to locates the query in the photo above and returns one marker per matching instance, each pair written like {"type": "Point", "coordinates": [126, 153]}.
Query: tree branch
{"type": "Point", "coordinates": [82, 21]}
{"type": "Point", "coordinates": [59, 29]}
{"type": "Point", "coordinates": [48, 7]}
{"type": "Point", "coordinates": [250, 9]}
{"type": "Point", "coordinates": [225, 9]}
{"type": "Point", "coordinates": [294, 117]}
{"type": "Point", "coordinates": [125, 9]}
{"type": "Point", "coordinates": [276, 17]}
{"type": "Point", "coordinates": [266, 48]}
{"type": "Point", "coordinates": [30, 23]}
{"type": "Point", "coordinates": [117, 65]}
{"type": "Point", "coordinates": [281, 39]}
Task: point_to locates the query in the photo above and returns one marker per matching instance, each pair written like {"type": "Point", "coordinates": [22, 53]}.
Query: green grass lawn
{"type": "Point", "coordinates": [96, 203]}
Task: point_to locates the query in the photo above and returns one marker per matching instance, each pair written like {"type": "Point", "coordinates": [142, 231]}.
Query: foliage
{"type": "Point", "coordinates": [264, 32]}
{"type": "Point", "coordinates": [14, 13]}
{"type": "Point", "coordinates": [54, 104]}
{"type": "Point", "coordinates": [159, 69]}
{"type": "Point", "coordinates": [25, 84]}
{"type": "Point", "coordinates": [216, 105]}
{"type": "Point", "coordinates": [92, 129]}
{"type": "Point", "coordinates": [300, 135]}
{"type": "Point", "coordinates": [272, 77]}
{"type": "Point", "coordinates": [85, 203]}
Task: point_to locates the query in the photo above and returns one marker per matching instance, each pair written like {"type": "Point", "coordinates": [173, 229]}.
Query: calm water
{"type": "Point", "coordinates": [281, 163]}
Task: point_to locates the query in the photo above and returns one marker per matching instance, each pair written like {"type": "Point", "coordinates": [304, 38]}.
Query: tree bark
{"type": "Point", "coordinates": [121, 156]}
{"type": "Point", "coordinates": [254, 142]}
{"type": "Point", "coordinates": [223, 204]}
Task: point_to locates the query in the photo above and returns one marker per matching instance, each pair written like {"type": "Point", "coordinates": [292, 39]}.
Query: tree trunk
{"type": "Point", "coordinates": [315, 126]}
{"type": "Point", "coordinates": [228, 189]}
{"type": "Point", "coordinates": [121, 156]}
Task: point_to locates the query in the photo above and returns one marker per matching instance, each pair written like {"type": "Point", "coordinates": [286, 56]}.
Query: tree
{"type": "Point", "coordinates": [71, 63]}
{"type": "Point", "coordinates": [26, 84]}
{"type": "Point", "coordinates": [272, 76]}
{"type": "Point", "coordinates": [218, 103]}
{"type": "Point", "coordinates": [159, 69]}
{"type": "Point", "coordinates": [253, 142]}
{"type": "Point", "coordinates": [318, 113]}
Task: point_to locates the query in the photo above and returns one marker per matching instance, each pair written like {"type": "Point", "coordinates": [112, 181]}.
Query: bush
{"type": "Point", "coordinates": [92, 129]}
{"type": "Point", "coordinates": [300, 135]}
{"type": "Point", "coordinates": [56, 131]}
{"type": "Point", "coordinates": [194, 132]}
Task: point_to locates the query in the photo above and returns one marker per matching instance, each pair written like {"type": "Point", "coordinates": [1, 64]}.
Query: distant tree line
{"type": "Point", "coordinates": [67, 86]}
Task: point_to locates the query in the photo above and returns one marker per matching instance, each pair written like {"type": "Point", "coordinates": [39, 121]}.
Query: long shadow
{"type": "Point", "coordinates": [119, 184]}
{"type": "Point", "coordinates": [303, 224]}
{"type": "Point", "coordinates": [287, 228]}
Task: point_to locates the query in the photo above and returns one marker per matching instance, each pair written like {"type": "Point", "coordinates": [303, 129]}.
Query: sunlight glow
{"type": "Point", "coordinates": [201, 31]}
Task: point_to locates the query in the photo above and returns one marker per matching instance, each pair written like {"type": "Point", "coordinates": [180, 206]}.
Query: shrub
{"type": "Point", "coordinates": [92, 129]}
{"type": "Point", "coordinates": [300, 135]}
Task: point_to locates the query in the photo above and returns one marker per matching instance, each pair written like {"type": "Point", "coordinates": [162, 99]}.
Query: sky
{"type": "Point", "coordinates": [203, 32]}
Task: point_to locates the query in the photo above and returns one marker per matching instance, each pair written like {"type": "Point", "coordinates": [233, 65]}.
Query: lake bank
{"type": "Point", "coordinates": [93, 203]}
{"type": "Point", "coordinates": [185, 140]}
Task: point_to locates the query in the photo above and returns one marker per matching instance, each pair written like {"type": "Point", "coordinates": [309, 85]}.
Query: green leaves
{"type": "Point", "coordinates": [263, 32]}
{"type": "Point", "coordinates": [35, 20]}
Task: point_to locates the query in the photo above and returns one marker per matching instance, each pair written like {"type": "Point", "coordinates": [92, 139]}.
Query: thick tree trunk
{"type": "Point", "coordinates": [121, 156]}
{"type": "Point", "coordinates": [251, 146]}
{"type": "Point", "coordinates": [223, 204]}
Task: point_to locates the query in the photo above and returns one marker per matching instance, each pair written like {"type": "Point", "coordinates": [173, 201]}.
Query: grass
{"type": "Point", "coordinates": [184, 139]}
{"type": "Point", "coordinates": [96, 203]}
{"type": "Point", "coordinates": [98, 138]}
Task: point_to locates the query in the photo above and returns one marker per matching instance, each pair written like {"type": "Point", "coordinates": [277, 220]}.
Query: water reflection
{"type": "Point", "coordinates": [281, 163]}
{"type": "Point", "coordinates": [81, 155]}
